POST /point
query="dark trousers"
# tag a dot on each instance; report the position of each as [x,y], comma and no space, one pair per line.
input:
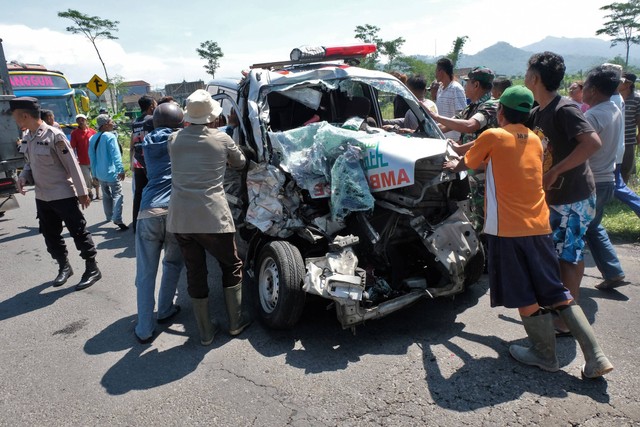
[51,215]
[628,162]
[223,247]
[140,181]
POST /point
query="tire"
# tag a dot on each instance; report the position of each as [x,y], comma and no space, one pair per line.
[280,298]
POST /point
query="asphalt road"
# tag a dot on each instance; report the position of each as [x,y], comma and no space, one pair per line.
[70,358]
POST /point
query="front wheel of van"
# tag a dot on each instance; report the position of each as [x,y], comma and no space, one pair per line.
[280,298]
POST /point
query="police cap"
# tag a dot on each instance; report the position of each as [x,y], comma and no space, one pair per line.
[24,103]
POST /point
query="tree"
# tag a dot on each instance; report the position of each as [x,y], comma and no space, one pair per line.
[391,49]
[210,52]
[623,24]
[94,28]
[414,66]
[369,34]
[456,50]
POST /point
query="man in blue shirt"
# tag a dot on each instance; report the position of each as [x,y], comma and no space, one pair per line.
[151,232]
[106,166]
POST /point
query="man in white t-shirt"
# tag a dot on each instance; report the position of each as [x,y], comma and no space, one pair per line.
[607,120]
[451,98]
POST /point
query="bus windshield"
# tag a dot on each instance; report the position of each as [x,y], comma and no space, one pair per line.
[63,108]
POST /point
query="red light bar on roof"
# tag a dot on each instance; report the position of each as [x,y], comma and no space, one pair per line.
[310,53]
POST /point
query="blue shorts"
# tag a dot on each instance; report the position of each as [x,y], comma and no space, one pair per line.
[524,271]
[568,225]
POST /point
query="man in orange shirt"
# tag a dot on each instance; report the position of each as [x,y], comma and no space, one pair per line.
[80,144]
[523,266]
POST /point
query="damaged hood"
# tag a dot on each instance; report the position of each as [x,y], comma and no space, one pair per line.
[388,159]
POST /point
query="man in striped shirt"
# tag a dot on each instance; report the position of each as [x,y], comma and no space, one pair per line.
[631,123]
[450,99]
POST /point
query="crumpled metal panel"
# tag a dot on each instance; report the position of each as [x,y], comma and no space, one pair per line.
[454,242]
[334,275]
[271,208]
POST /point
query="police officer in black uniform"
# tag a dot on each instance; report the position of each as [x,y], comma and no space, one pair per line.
[59,188]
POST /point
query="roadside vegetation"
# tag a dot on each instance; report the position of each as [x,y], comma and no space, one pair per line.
[619,220]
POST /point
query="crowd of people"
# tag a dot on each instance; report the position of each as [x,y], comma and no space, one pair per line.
[543,167]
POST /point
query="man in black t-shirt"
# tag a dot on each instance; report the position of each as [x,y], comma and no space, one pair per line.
[569,141]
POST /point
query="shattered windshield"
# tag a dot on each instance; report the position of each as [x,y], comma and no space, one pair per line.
[336,100]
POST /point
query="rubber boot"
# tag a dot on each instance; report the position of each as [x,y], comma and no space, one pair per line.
[90,276]
[233,298]
[206,326]
[597,363]
[64,272]
[543,351]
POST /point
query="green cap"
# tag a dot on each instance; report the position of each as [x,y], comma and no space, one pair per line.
[481,74]
[517,98]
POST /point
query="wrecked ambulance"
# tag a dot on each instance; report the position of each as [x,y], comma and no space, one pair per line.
[333,205]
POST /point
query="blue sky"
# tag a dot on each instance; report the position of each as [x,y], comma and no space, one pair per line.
[157,40]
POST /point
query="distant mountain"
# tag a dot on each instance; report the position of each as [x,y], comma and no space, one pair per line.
[580,54]
[502,58]
[578,46]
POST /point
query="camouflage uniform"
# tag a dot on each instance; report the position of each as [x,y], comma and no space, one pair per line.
[488,107]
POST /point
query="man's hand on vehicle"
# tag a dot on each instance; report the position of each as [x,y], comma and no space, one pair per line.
[457,148]
[450,164]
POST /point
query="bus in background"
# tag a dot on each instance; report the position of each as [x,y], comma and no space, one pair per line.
[10,157]
[52,90]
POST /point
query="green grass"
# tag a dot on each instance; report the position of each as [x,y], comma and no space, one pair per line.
[124,137]
[126,160]
[621,223]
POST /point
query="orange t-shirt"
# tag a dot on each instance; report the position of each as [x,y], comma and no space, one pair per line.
[514,201]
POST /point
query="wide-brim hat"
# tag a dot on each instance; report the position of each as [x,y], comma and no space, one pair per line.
[201,108]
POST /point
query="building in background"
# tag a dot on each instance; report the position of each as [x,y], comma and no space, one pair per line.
[181,91]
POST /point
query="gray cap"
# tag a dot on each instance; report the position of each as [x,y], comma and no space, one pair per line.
[102,120]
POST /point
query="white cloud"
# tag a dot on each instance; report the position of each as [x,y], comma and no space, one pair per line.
[75,56]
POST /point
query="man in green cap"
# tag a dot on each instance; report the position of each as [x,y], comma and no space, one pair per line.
[479,115]
[523,266]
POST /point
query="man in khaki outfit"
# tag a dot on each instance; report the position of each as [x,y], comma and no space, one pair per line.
[199,214]
[53,169]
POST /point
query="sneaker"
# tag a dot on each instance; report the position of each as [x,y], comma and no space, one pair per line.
[169,318]
[611,283]
[145,340]
[122,226]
